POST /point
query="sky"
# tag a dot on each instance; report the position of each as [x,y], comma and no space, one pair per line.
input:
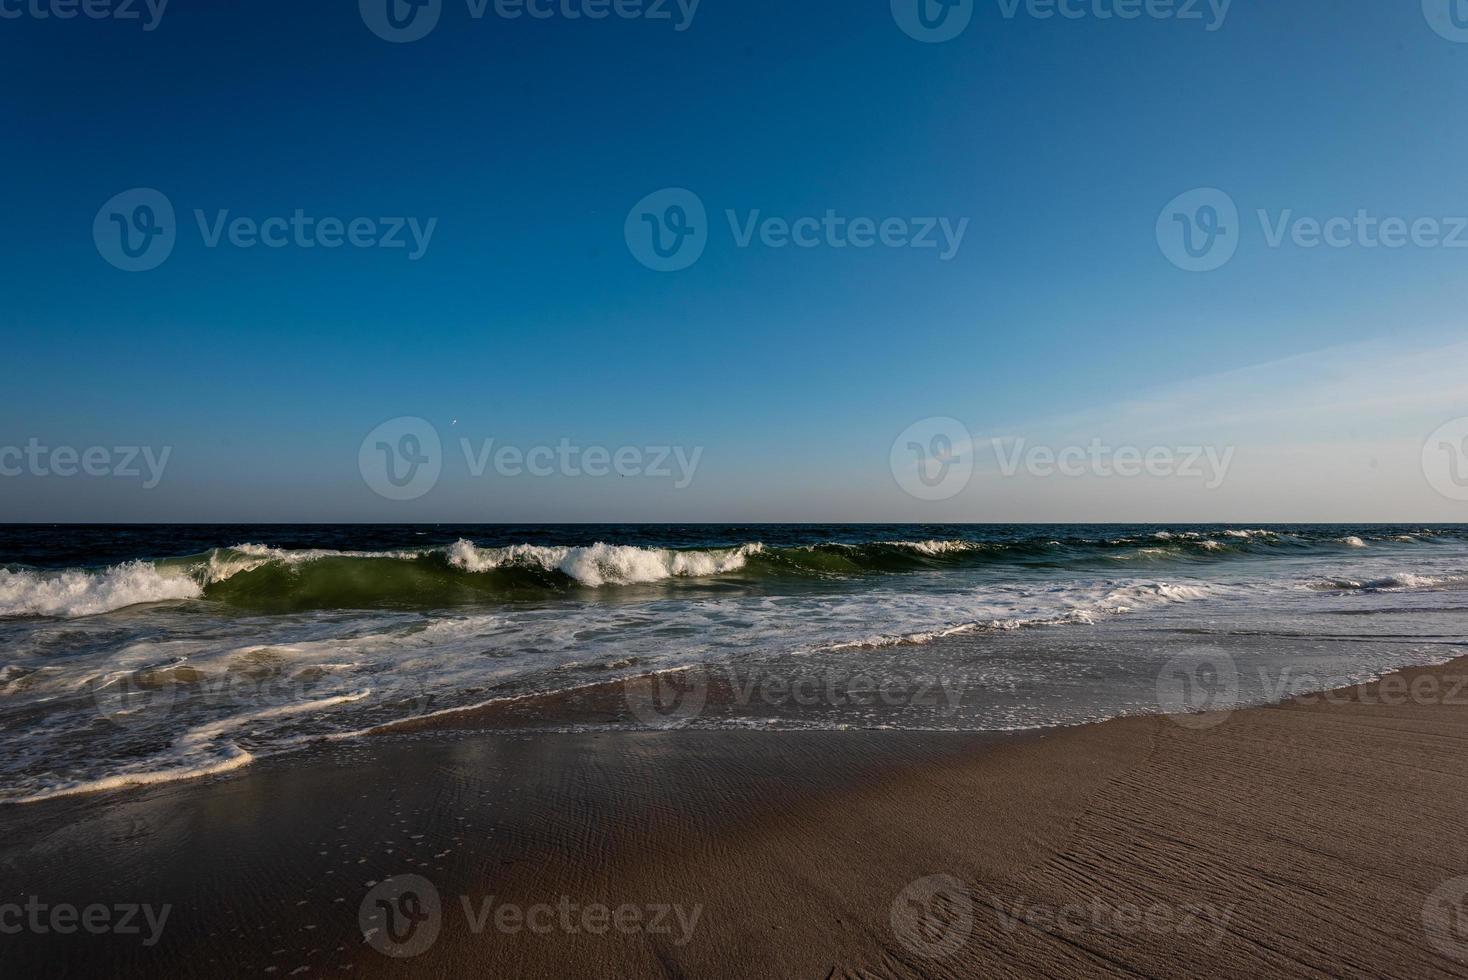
[733,261]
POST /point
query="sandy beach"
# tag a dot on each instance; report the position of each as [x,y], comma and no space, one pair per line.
[620,489]
[1318,837]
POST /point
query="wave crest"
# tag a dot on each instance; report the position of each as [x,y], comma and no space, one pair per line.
[603,564]
[80,592]
[273,579]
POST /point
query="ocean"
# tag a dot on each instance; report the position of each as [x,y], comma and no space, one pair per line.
[134,654]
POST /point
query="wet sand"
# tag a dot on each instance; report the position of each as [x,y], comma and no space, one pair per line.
[1300,839]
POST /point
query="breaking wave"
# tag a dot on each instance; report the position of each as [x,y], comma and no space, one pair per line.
[270,579]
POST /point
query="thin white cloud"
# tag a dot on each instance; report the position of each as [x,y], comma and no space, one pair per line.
[1320,396]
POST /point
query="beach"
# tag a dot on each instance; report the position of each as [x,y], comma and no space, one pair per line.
[1321,836]
[712,751]
[560,489]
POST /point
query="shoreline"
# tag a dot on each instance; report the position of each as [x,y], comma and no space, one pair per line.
[666,700]
[1268,839]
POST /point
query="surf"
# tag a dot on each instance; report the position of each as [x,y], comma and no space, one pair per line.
[272,579]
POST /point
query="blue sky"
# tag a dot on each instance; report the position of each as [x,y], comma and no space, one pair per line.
[529,320]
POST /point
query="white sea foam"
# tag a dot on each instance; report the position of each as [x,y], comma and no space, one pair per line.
[302,555]
[603,564]
[1406,580]
[1397,582]
[200,751]
[234,759]
[224,563]
[80,592]
[1082,605]
[935,547]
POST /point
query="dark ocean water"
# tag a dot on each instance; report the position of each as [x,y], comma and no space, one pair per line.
[93,545]
[136,653]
